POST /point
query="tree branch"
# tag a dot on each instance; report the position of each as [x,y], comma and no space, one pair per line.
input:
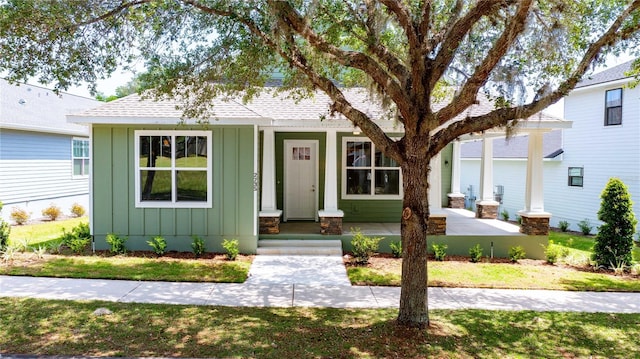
[121,7]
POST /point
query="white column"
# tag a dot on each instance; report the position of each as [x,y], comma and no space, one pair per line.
[534,196]
[435,182]
[486,172]
[331,178]
[268,204]
[455,169]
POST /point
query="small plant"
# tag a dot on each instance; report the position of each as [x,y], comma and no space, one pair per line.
[516,253]
[19,215]
[232,248]
[117,243]
[159,245]
[563,225]
[363,246]
[585,226]
[21,245]
[198,246]
[396,249]
[439,251]
[77,210]
[519,220]
[505,215]
[52,212]
[553,252]
[78,245]
[40,251]
[8,254]
[5,230]
[475,253]
[55,247]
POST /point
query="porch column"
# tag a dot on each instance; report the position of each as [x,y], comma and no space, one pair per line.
[269,212]
[456,198]
[535,221]
[437,224]
[331,216]
[486,206]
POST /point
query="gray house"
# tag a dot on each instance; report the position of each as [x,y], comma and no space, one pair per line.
[43,159]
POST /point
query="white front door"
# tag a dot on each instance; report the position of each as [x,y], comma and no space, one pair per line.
[300,179]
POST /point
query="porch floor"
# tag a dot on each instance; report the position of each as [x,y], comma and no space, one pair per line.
[460,222]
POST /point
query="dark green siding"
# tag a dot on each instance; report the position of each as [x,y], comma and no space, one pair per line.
[232,214]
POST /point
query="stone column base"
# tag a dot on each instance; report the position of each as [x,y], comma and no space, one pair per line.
[437,224]
[331,225]
[534,225]
[456,200]
[487,210]
[269,225]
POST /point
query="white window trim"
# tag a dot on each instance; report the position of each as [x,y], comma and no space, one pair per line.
[173,203]
[73,158]
[371,196]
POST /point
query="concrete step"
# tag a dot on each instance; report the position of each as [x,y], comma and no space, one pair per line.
[300,247]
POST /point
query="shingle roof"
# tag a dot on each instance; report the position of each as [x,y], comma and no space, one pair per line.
[34,108]
[608,75]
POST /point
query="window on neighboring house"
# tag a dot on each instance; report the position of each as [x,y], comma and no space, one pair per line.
[173,169]
[80,157]
[576,176]
[613,107]
[367,172]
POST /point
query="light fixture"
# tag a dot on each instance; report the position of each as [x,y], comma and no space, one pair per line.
[356,130]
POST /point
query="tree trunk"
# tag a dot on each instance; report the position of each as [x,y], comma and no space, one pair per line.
[413,295]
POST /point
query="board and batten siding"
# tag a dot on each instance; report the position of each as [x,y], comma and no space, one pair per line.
[37,168]
[232,215]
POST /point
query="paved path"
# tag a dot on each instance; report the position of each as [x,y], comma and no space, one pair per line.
[280,281]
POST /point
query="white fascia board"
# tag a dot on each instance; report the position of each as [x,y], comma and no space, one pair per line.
[544,125]
[161,120]
[57,131]
[603,84]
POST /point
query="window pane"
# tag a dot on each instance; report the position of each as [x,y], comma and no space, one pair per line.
[358,181]
[614,116]
[192,186]
[359,154]
[384,161]
[155,151]
[77,148]
[387,182]
[576,181]
[155,185]
[77,167]
[614,98]
[85,167]
[191,151]
[575,171]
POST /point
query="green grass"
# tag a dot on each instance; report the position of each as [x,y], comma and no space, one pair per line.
[42,232]
[50,327]
[582,245]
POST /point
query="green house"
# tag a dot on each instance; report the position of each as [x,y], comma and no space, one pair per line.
[240,174]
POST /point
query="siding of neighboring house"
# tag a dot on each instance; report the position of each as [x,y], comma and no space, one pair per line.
[233,212]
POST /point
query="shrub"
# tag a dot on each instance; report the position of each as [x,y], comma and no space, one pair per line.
[117,243]
[614,241]
[475,253]
[553,252]
[519,220]
[198,246]
[19,215]
[78,245]
[77,239]
[505,215]
[159,245]
[585,226]
[396,249]
[52,212]
[439,251]
[516,253]
[77,210]
[5,230]
[232,248]
[82,230]
[363,246]
[563,225]
[55,247]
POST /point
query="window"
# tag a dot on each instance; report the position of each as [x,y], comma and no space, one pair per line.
[613,107]
[367,172]
[173,169]
[80,157]
[576,176]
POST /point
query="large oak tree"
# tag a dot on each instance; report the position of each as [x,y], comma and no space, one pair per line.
[408,53]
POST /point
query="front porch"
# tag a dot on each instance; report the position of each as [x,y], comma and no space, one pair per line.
[464,230]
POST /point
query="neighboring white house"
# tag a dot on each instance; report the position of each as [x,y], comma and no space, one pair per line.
[43,159]
[604,142]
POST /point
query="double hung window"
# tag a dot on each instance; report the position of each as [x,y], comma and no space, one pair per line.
[613,107]
[367,172]
[80,157]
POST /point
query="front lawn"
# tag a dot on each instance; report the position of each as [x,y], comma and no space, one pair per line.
[40,233]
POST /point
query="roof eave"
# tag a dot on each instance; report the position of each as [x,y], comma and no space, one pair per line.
[57,131]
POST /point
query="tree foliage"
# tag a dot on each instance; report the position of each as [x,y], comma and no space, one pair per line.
[407,53]
[614,241]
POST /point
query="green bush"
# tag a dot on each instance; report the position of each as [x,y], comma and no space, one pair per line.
[232,247]
[159,245]
[19,215]
[396,249]
[117,243]
[505,215]
[516,253]
[563,225]
[439,251]
[519,220]
[52,212]
[5,230]
[554,252]
[78,245]
[55,246]
[198,246]
[614,241]
[77,210]
[77,239]
[363,246]
[475,253]
[585,226]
